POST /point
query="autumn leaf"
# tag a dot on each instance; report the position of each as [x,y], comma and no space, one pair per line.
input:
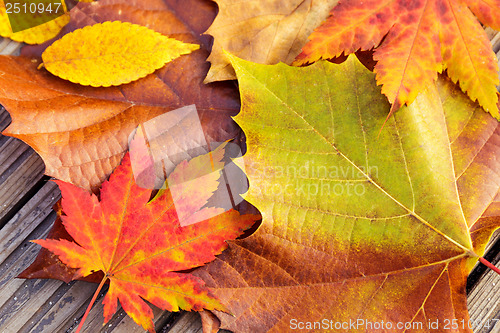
[111,54]
[81,132]
[356,225]
[266,31]
[35,35]
[413,41]
[140,245]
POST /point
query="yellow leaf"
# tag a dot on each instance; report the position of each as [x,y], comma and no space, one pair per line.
[35,35]
[111,53]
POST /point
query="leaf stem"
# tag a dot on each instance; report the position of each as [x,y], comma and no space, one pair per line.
[91,303]
[489,265]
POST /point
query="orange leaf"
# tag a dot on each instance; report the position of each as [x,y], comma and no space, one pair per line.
[414,40]
[81,132]
[140,245]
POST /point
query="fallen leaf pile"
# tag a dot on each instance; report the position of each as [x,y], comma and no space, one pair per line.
[413,40]
[365,218]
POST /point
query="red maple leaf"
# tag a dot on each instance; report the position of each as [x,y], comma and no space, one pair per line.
[414,40]
[139,244]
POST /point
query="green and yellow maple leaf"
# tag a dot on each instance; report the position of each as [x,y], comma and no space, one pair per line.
[414,40]
[356,224]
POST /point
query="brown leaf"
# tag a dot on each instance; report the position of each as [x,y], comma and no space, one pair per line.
[81,132]
[266,32]
[209,322]
[85,139]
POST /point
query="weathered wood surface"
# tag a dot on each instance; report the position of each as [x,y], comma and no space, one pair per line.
[26,199]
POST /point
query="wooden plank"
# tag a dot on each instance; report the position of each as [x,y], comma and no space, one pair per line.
[18,261]
[20,171]
[188,322]
[32,221]
[35,305]
[120,322]
[4,119]
[484,303]
[10,150]
[9,47]
[14,186]
[484,298]
[22,224]
[18,310]
[128,325]
[494,37]
[64,312]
